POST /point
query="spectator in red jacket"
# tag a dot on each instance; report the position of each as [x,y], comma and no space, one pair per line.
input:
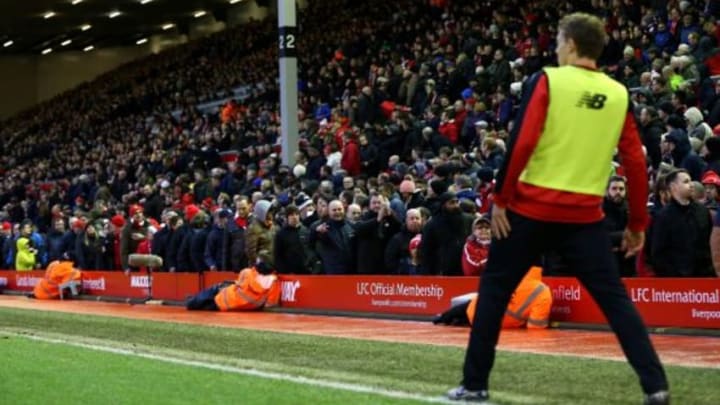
[350,154]
[476,248]
[448,128]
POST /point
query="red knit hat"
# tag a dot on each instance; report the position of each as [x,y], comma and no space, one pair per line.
[118,221]
[710,177]
[190,212]
[79,224]
[134,209]
[6,226]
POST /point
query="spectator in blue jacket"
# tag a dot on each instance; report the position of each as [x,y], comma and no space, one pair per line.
[216,246]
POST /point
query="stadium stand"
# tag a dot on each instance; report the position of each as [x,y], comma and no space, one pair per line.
[402,111]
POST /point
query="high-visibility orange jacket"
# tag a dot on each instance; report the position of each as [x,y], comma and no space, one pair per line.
[529,305]
[57,276]
[251,290]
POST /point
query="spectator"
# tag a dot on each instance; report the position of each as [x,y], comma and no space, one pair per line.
[57,241]
[681,238]
[651,130]
[261,233]
[186,256]
[161,238]
[132,234]
[677,145]
[198,241]
[616,213]
[89,249]
[373,231]
[26,253]
[334,241]
[179,229]
[216,246]
[292,251]
[5,240]
[354,213]
[477,246]
[443,238]
[397,253]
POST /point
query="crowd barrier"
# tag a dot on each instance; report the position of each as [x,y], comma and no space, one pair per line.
[677,302]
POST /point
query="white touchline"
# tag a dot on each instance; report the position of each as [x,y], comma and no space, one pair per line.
[244,371]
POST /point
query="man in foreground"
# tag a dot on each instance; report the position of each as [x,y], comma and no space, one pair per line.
[548,197]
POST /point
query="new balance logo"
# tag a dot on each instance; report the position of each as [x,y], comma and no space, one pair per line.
[594,101]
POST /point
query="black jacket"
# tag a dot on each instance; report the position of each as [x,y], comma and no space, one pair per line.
[397,253]
[442,243]
[651,135]
[235,258]
[173,249]
[616,219]
[336,247]
[160,243]
[291,250]
[372,239]
[681,241]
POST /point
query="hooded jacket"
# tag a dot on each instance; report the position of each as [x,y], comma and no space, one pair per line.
[259,236]
[683,156]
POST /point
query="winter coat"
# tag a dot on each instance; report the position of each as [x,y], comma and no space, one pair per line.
[24,259]
[397,253]
[474,256]
[336,247]
[372,239]
[291,250]
[681,241]
[442,243]
[351,158]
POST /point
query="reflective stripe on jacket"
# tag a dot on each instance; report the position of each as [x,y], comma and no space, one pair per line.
[57,274]
[250,291]
[529,306]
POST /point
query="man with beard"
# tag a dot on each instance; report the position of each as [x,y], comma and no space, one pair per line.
[616,217]
[681,234]
[444,236]
[397,253]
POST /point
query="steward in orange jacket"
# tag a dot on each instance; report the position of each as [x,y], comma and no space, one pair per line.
[529,306]
[255,288]
[59,277]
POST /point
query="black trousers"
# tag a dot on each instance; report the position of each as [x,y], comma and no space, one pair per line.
[587,249]
[205,299]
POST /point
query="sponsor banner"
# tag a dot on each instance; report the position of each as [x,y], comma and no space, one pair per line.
[689,303]
[116,284]
[676,302]
[20,280]
[379,294]
[175,286]
[209,278]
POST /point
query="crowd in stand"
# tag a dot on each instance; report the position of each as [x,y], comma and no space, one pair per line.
[406,109]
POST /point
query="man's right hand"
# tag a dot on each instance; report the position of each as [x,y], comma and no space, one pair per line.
[632,242]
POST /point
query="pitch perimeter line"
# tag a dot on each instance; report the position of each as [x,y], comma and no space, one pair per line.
[356,388]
